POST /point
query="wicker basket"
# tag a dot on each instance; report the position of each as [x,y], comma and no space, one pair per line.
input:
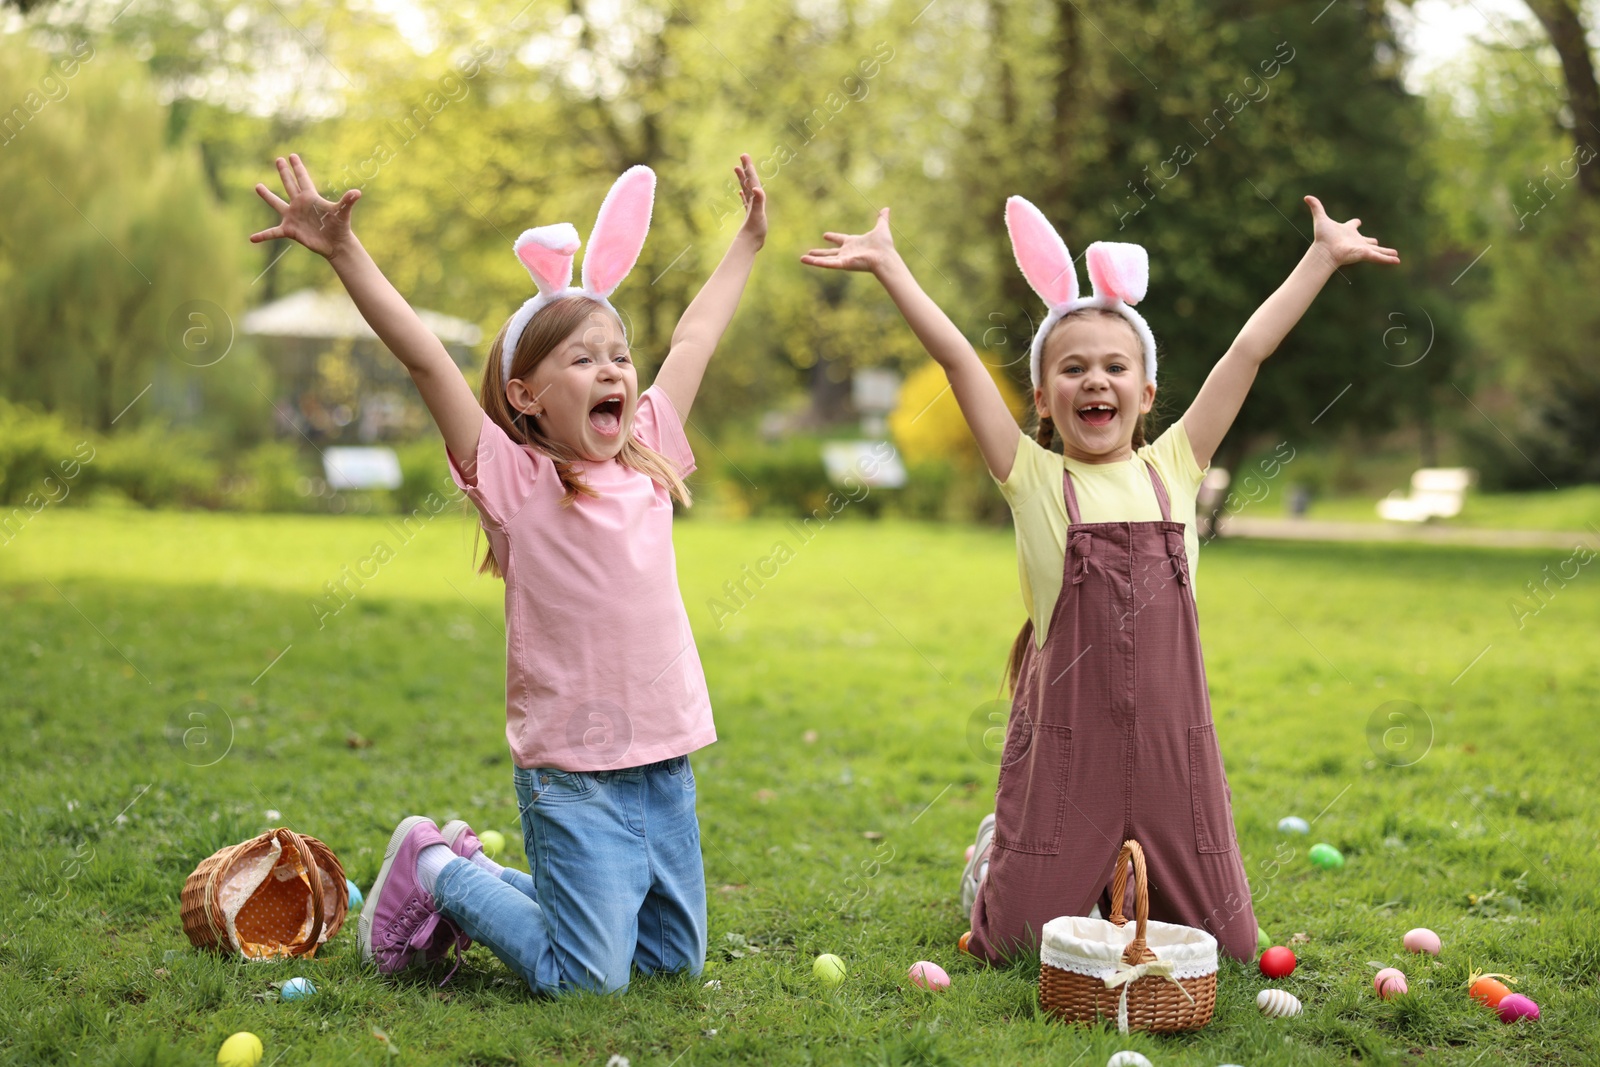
[272,896]
[1162,978]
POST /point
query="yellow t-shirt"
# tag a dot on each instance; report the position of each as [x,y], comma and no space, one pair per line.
[1107,492]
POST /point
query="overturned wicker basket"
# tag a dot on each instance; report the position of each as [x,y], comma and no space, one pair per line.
[1162,978]
[280,894]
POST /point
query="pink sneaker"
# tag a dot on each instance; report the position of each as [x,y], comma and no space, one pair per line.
[401,919]
[459,836]
[463,842]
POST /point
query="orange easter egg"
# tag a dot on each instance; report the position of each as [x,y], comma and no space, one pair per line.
[1489,992]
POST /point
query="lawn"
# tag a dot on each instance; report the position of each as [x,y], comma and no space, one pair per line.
[167,685]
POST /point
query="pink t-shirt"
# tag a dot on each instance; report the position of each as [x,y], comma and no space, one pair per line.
[601,667]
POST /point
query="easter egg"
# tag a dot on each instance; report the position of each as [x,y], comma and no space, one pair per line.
[355,894]
[1263,942]
[493,842]
[1489,992]
[1293,824]
[1326,856]
[964,944]
[829,968]
[1277,1003]
[1389,982]
[241,1050]
[296,988]
[1422,940]
[929,975]
[1127,1059]
[1515,1006]
[1277,962]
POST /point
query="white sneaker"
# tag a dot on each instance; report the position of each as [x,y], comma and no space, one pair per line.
[977,864]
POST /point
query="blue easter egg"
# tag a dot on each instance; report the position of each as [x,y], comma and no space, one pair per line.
[296,988]
[1293,824]
[355,895]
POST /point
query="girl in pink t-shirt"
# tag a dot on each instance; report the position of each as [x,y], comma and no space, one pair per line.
[573,472]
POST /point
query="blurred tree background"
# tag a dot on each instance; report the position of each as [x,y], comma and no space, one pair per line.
[131,137]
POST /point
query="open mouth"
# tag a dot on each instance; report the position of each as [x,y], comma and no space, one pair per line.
[1097,414]
[606,416]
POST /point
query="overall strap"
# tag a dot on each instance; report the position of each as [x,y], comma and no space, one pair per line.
[1073,516]
[1161,493]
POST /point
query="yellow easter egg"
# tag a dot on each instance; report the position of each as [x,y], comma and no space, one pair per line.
[241,1050]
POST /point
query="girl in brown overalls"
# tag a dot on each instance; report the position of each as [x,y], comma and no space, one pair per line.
[1110,734]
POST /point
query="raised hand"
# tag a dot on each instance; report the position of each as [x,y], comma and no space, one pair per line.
[753,197]
[321,225]
[870,251]
[1343,241]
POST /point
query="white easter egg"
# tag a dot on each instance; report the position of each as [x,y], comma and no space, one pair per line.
[1277,1003]
[1127,1059]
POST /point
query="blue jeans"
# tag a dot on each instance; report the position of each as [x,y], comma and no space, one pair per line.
[617,880]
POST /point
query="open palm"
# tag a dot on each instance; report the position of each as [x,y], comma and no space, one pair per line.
[859,251]
[321,225]
[1344,242]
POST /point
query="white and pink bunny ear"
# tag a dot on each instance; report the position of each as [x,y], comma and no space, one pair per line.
[547,252]
[1041,253]
[619,231]
[1119,271]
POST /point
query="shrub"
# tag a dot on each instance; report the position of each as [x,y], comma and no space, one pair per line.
[33,447]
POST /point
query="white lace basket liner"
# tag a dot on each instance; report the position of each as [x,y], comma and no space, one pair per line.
[1147,975]
[1094,947]
[279,894]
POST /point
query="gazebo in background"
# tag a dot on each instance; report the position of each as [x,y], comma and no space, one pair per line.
[336,383]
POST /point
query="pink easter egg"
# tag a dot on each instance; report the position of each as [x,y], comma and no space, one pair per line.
[929,975]
[1516,1006]
[1422,940]
[1389,982]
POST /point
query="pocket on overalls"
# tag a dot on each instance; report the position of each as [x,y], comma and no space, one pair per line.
[1031,803]
[1208,790]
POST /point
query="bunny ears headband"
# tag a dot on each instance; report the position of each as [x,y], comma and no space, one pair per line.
[614,245]
[1119,272]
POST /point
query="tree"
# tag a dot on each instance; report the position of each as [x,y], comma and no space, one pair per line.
[1563,21]
[110,235]
[1194,129]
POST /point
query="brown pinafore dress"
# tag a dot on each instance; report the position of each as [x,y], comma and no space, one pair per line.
[1111,737]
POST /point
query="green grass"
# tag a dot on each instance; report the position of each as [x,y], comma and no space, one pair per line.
[1574,508]
[845,693]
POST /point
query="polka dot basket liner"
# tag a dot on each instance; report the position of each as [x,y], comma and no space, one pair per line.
[280,894]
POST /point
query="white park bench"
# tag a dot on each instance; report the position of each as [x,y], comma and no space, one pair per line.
[1436,492]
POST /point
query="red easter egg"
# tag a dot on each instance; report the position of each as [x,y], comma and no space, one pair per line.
[1277,962]
[1516,1006]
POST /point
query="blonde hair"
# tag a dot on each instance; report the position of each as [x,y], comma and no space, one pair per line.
[1045,434]
[551,325]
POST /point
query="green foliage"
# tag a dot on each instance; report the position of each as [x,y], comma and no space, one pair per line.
[1513,198]
[112,233]
[844,695]
[36,451]
[1539,430]
[270,477]
[1191,127]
